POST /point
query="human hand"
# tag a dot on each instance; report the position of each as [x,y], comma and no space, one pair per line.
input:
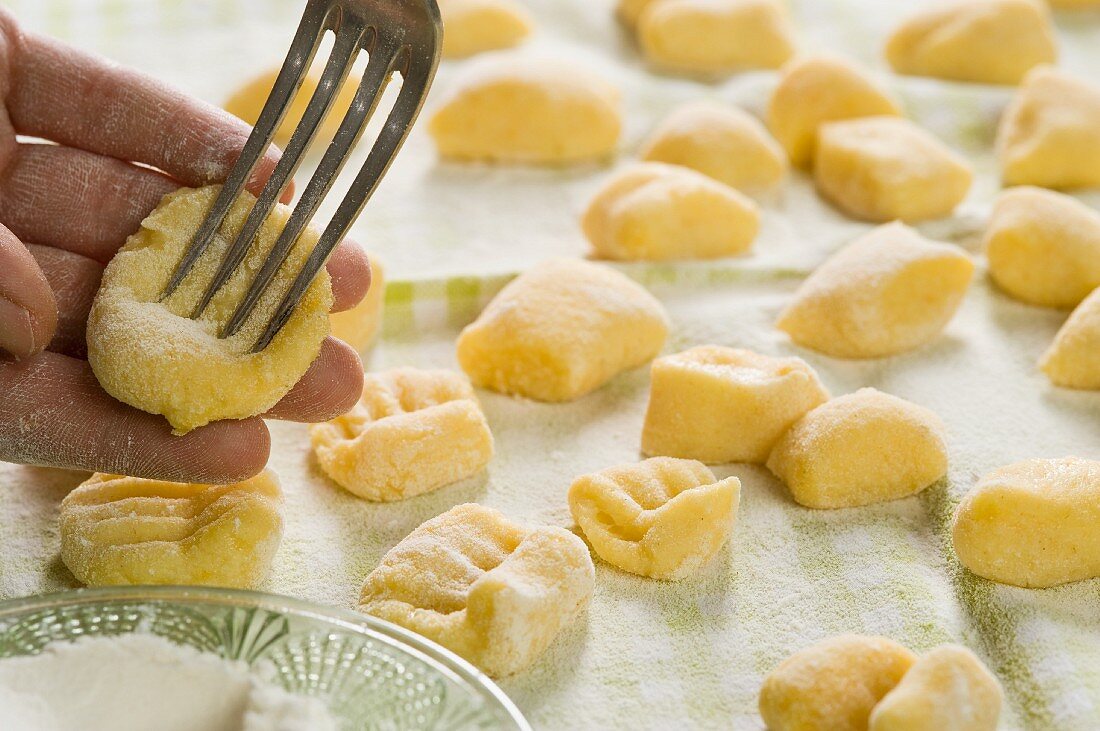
[65,209]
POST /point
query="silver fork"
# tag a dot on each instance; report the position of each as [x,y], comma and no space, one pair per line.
[400,36]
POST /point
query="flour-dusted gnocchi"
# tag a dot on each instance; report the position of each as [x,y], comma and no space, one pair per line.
[561,330]
[248,101]
[712,37]
[947,689]
[359,326]
[127,530]
[863,448]
[813,90]
[475,26]
[519,109]
[654,212]
[833,685]
[724,142]
[1073,360]
[718,404]
[1032,523]
[888,169]
[491,590]
[887,292]
[412,431]
[986,41]
[663,518]
[1050,134]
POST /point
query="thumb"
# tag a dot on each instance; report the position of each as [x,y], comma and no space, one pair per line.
[28,311]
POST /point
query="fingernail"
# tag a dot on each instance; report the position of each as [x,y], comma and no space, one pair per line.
[16,329]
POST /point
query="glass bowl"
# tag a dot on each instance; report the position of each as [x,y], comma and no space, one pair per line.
[369,673]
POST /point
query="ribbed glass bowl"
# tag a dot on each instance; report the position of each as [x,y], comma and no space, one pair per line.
[369,673]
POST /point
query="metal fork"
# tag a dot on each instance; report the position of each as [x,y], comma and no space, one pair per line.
[400,36]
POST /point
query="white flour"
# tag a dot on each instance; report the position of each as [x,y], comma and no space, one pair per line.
[142,682]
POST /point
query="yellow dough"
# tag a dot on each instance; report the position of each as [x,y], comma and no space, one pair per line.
[149,355]
[889,291]
[1033,523]
[946,689]
[1044,247]
[628,11]
[717,404]
[126,530]
[985,41]
[724,142]
[413,431]
[655,212]
[475,26]
[832,685]
[493,591]
[663,518]
[1074,4]
[511,109]
[813,90]
[885,169]
[1073,360]
[863,448]
[359,326]
[712,37]
[562,330]
[248,101]
[1050,134]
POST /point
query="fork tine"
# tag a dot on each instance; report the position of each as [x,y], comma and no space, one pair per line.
[416,79]
[344,51]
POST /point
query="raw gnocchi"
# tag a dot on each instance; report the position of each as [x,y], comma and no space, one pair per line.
[248,101]
[413,431]
[1032,523]
[1073,359]
[885,169]
[718,404]
[985,41]
[359,326]
[561,330]
[628,11]
[654,212]
[126,530]
[863,448]
[476,26]
[724,142]
[813,90]
[511,109]
[493,591]
[887,292]
[663,518]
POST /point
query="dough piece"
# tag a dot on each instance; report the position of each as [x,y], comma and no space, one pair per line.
[889,291]
[248,101]
[1074,4]
[562,330]
[832,685]
[1050,134]
[712,37]
[985,41]
[863,448]
[655,212]
[947,689]
[1044,247]
[493,591]
[885,169]
[1073,360]
[511,109]
[629,11]
[663,518]
[126,530]
[724,142]
[813,90]
[413,431]
[148,354]
[1032,523]
[475,26]
[359,326]
[720,404]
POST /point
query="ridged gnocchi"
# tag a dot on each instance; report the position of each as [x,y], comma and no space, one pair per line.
[359,326]
[493,591]
[662,518]
[413,431]
[718,404]
[1073,359]
[475,26]
[126,530]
